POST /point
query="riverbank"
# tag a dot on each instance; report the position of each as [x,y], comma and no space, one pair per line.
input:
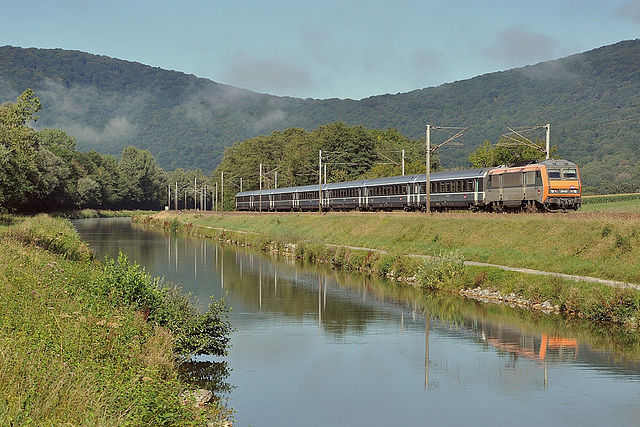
[601,245]
[75,346]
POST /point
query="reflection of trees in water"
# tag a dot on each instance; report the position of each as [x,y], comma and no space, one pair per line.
[207,375]
[347,303]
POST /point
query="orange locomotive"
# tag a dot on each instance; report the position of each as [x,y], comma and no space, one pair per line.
[549,185]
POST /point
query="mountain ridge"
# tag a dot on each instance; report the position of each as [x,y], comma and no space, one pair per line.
[591,100]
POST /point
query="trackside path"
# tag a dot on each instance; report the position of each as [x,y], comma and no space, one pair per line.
[613,283]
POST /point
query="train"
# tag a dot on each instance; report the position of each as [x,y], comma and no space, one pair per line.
[550,185]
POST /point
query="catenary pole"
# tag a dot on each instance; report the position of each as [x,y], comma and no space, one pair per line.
[548,127]
[428,186]
[320,181]
[260,205]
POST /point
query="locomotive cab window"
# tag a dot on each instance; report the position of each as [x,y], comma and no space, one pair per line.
[569,174]
[554,173]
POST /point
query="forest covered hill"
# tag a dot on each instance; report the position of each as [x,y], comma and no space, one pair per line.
[591,100]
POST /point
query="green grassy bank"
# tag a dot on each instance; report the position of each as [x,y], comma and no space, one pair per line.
[81,341]
[596,244]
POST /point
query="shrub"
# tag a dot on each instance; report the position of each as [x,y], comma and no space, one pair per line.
[480,278]
[436,272]
[195,333]
[385,264]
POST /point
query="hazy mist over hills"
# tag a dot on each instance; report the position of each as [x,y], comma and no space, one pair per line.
[591,100]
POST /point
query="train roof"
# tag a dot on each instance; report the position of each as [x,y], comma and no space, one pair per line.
[456,174]
[558,162]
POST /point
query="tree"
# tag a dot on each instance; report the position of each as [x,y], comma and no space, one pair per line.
[508,151]
[89,192]
[56,140]
[348,148]
[147,180]
[18,162]
[483,156]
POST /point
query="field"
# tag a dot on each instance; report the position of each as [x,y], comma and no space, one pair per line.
[619,203]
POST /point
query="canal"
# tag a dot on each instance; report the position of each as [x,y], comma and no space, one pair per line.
[317,347]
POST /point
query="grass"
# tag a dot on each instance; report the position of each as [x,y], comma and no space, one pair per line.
[591,244]
[627,203]
[68,354]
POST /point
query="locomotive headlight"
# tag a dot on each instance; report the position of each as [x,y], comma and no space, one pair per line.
[553,191]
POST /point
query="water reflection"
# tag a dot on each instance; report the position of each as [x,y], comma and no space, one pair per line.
[353,350]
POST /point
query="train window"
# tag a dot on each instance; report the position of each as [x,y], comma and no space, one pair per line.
[554,173]
[569,174]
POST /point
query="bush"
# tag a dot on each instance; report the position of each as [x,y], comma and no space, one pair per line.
[195,333]
[385,264]
[438,271]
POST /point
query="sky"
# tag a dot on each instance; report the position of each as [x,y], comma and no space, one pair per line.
[325,48]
